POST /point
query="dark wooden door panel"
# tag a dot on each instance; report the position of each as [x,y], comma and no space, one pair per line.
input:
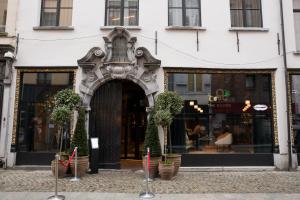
[105,123]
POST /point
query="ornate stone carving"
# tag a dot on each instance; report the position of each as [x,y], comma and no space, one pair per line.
[137,65]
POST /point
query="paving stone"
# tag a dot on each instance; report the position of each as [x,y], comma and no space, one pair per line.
[133,182]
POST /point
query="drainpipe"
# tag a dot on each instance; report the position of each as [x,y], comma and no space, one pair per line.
[286,86]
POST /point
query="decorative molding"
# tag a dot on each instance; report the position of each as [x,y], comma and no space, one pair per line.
[99,66]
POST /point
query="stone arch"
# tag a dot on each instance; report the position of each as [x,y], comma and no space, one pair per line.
[98,68]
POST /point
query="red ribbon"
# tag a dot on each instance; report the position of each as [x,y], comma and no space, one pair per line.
[70,159]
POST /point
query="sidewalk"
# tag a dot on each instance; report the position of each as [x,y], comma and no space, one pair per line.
[122,184]
[124,196]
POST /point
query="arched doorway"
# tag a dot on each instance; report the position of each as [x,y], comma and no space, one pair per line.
[118,118]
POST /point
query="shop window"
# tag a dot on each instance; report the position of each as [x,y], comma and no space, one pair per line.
[295,88]
[246,13]
[297,23]
[184,13]
[225,117]
[36,132]
[122,12]
[3,13]
[56,13]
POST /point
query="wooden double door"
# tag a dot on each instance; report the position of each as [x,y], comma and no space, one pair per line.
[118,119]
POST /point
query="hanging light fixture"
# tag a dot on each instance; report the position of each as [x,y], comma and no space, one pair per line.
[196,106]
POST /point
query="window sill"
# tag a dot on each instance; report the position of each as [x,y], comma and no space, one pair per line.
[296,52]
[249,29]
[126,27]
[3,34]
[51,28]
[198,28]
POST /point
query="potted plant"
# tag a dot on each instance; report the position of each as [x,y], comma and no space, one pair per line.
[166,168]
[65,101]
[79,140]
[168,105]
[152,141]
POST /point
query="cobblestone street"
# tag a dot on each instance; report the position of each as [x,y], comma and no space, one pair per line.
[132,182]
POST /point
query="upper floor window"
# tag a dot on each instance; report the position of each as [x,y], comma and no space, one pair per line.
[246,13]
[297,23]
[122,12]
[3,12]
[56,12]
[184,13]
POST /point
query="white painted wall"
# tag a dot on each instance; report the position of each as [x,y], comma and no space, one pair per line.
[176,48]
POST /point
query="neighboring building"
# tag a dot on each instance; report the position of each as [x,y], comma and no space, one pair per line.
[8,16]
[226,61]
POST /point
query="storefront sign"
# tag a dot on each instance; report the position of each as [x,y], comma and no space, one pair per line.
[260,107]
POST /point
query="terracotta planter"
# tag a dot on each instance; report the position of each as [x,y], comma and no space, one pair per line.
[82,165]
[166,171]
[153,171]
[176,158]
[61,170]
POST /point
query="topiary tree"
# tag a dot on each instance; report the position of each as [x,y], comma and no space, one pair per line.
[65,102]
[167,105]
[80,136]
[151,138]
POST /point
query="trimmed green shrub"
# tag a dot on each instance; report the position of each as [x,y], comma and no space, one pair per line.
[80,136]
[151,137]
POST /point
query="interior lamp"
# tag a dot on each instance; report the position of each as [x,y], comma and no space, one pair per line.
[192,103]
[196,106]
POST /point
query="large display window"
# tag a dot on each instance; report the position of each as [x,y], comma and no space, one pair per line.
[295,107]
[35,131]
[223,113]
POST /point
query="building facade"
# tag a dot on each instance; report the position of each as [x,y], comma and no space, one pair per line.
[226,61]
[8,42]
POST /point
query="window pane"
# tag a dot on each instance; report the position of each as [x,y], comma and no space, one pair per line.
[3,12]
[192,17]
[119,50]
[253,18]
[36,131]
[175,17]
[191,82]
[175,3]
[114,3]
[295,86]
[131,3]
[50,3]
[296,4]
[237,18]
[114,17]
[297,29]
[198,82]
[66,3]
[221,111]
[49,17]
[130,17]
[65,17]
[236,4]
[192,3]
[252,4]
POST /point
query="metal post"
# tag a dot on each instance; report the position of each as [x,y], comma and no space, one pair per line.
[147,194]
[56,196]
[76,178]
